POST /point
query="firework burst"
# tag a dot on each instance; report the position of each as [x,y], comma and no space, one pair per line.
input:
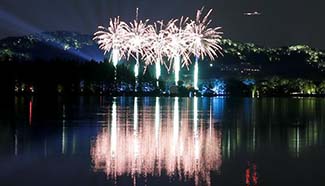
[156,49]
[137,38]
[113,39]
[204,41]
[177,41]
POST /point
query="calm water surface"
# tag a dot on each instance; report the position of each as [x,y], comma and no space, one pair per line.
[162,141]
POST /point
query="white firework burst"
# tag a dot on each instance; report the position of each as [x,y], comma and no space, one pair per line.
[137,38]
[204,41]
[177,39]
[113,39]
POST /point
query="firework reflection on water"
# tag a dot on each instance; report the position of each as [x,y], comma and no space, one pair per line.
[174,142]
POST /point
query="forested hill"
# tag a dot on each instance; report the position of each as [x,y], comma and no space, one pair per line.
[244,59]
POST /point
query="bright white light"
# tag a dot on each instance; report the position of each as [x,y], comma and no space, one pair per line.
[136,70]
[114,129]
[135,114]
[158,70]
[177,61]
[204,41]
[177,41]
[195,130]
[157,121]
[196,73]
[113,37]
[173,147]
[115,57]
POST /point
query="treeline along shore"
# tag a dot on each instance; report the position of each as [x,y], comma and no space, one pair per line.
[59,77]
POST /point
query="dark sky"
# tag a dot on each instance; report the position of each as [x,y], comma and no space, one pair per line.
[283,22]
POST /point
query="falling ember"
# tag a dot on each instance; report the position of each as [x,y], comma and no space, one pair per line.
[184,152]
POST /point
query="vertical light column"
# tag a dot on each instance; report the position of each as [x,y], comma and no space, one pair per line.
[175,143]
[196,141]
[157,120]
[114,130]
[196,73]
[177,64]
[16,142]
[136,72]
[158,71]
[64,138]
[157,128]
[135,141]
[115,57]
[30,114]
[64,132]
[195,130]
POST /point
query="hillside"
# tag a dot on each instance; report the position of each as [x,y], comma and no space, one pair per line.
[239,59]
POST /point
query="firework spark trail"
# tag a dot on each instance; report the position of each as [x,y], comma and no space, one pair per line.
[113,39]
[204,41]
[176,41]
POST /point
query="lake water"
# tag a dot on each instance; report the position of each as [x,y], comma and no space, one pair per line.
[162,141]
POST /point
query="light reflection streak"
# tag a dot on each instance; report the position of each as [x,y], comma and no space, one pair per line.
[171,145]
[157,122]
[16,142]
[30,115]
[64,132]
[64,138]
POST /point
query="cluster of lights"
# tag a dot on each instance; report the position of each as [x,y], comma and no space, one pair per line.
[176,41]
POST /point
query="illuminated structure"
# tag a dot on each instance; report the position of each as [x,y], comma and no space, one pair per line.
[177,41]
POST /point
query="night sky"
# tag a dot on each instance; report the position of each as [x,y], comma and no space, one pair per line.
[283,22]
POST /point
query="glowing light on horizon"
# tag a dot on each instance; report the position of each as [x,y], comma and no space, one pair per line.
[186,152]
